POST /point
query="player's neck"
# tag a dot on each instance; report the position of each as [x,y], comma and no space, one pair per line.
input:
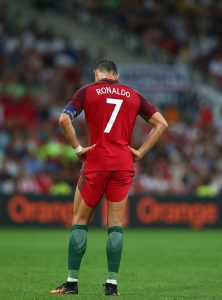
[109,76]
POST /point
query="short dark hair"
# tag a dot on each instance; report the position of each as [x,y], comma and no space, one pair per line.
[106,65]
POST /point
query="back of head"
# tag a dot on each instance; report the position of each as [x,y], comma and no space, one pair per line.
[105,65]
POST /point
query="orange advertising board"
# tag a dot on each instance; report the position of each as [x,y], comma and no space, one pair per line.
[142,211]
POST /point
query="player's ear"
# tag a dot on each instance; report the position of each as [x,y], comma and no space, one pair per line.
[116,76]
[96,74]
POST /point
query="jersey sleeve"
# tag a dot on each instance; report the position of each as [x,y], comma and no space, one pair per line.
[76,105]
[146,108]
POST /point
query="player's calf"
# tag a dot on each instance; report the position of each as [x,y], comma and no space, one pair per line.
[114,252]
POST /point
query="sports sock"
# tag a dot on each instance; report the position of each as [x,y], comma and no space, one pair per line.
[114,251]
[77,248]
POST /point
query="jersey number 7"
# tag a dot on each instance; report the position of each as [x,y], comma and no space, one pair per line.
[112,119]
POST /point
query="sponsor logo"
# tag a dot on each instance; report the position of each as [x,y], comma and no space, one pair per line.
[21,210]
[196,215]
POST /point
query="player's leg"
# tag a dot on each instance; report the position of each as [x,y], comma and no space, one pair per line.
[77,244]
[116,212]
[117,195]
[78,235]
[90,189]
[115,215]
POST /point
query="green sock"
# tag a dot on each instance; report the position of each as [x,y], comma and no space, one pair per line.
[114,250]
[77,248]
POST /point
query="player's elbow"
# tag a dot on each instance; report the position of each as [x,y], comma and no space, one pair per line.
[163,125]
[158,121]
[63,119]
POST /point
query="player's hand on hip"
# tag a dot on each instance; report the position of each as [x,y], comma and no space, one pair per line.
[82,155]
[136,154]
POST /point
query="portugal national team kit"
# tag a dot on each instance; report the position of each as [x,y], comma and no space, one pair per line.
[110,110]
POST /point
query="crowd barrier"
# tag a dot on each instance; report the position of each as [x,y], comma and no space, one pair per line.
[142,211]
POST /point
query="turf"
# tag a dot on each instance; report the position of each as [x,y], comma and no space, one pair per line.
[156,264]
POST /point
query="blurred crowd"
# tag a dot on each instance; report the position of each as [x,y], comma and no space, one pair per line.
[188,31]
[187,160]
[40,71]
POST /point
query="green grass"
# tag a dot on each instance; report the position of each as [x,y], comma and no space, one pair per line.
[156,264]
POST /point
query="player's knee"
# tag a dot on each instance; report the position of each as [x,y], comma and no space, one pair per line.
[116,222]
[116,219]
[80,220]
[115,242]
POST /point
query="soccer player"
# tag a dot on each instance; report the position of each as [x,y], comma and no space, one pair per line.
[110,110]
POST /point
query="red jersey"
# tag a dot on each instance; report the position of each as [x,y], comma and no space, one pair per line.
[110,111]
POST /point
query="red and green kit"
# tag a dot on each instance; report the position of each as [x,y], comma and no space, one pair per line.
[110,110]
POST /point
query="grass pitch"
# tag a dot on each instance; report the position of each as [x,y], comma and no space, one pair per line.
[156,264]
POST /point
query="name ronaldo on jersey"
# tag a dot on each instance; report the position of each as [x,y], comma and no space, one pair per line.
[112,90]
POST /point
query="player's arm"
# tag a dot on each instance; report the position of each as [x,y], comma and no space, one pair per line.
[68,130]
[159,126]
[70,112]
[70,134]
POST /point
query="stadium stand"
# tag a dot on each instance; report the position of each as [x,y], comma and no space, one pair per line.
[168,30]
[40,70]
